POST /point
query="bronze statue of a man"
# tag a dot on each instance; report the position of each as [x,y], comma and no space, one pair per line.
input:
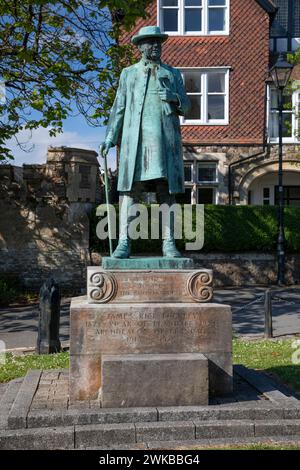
[145,117]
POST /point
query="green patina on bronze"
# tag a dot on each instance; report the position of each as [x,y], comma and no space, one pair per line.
[156,262]
[127,114]
[145,121]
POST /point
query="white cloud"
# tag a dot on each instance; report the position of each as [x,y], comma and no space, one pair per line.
[37,142]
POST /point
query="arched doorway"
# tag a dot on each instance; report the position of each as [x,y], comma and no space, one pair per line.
[264,189]
[259,186]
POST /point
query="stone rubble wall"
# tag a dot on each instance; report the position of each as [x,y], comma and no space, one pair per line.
[44,223]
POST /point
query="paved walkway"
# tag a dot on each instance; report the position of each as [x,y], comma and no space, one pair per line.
[18,325]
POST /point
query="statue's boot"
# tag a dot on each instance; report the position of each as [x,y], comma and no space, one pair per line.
[123,249]
[169,249]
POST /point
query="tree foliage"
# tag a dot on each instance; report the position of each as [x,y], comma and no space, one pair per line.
[58,57]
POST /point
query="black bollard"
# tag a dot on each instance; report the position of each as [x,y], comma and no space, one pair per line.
[268,314]
[49,316]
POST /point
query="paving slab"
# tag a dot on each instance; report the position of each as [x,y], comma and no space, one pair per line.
[21,406]
[271,390]
[46,418]
[8,398]
[165,431]
[277,428]
[210,413]
[37,439]
[104,434]
[224,429]
[221,443]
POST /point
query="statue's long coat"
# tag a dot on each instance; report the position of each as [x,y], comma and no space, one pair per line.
[125,122]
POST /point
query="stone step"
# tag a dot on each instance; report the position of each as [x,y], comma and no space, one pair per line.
[258,411]
[273,391]
[233,442]
[137,435]
[7,400]
[17,417]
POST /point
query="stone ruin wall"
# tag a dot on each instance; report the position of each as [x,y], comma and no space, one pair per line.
[44,224]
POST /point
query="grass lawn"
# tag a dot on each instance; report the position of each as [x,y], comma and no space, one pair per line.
[17,366]
[271,356]
[274,357]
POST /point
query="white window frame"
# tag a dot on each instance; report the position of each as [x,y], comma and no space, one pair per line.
[295,122]
[207,164]
[190,165]
[204,102]
[181,19]
[282,44]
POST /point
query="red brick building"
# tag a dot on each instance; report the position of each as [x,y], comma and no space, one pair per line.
[222,48]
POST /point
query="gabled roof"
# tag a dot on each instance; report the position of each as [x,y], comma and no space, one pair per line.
[267,5]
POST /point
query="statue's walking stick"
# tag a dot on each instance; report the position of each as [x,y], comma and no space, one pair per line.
[106,184]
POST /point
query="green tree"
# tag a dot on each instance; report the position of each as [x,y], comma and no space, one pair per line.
[58,57]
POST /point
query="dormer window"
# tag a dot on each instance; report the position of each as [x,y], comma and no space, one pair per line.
[194,17]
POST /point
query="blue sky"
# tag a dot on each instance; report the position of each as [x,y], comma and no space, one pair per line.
[77,133]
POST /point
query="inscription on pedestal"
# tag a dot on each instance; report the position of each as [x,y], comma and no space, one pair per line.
[144,286]
[147,328]
[164,329]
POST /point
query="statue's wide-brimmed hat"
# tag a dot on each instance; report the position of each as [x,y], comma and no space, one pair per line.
[149,32]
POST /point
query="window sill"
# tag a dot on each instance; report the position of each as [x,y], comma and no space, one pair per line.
[198,34]
[284,141]
[200,123]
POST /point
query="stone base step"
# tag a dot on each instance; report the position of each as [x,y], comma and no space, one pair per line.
[72,417]
[8,400]
[233,442]
[25,424]
[147,433]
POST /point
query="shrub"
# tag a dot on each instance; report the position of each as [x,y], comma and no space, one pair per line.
[9,290]
[227,229]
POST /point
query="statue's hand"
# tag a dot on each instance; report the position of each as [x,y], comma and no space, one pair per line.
[104,148]
[167,95]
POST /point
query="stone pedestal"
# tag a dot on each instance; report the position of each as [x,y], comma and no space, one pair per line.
[143,380]
[147,334]
[152,285]
[147,328]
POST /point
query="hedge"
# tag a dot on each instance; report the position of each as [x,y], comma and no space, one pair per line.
[227,229]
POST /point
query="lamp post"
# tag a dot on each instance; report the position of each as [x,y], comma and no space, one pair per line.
[281,73]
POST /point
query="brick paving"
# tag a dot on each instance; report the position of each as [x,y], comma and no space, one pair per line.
[36,414]
[53,394]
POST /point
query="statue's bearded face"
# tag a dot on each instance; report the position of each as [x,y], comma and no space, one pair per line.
[150,48]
